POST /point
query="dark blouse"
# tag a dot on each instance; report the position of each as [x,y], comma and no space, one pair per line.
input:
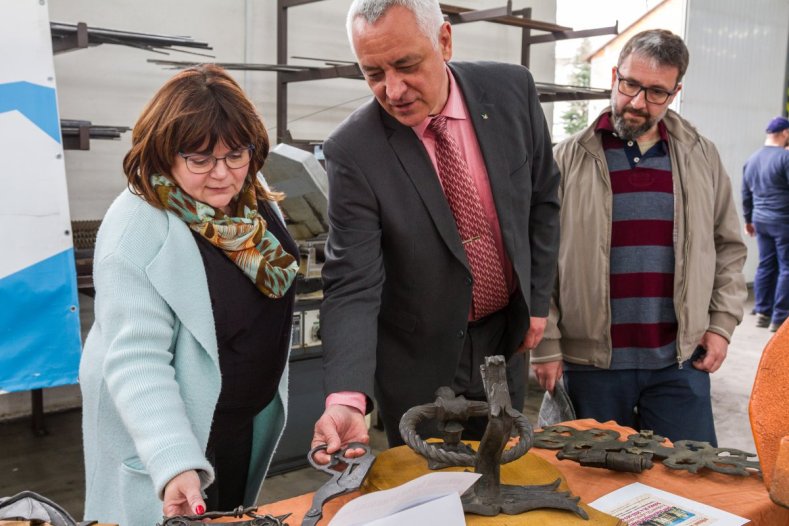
[252,330]
[252,333]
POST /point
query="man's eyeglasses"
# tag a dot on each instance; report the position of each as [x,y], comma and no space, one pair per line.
[200,164]
[631,88]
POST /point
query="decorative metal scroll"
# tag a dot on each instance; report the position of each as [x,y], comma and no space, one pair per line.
[450,412]
[254,520]
[487,496]
[603,448]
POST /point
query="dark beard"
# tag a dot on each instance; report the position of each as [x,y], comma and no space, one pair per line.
[629,132]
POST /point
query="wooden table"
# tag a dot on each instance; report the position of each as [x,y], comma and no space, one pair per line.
[743,496]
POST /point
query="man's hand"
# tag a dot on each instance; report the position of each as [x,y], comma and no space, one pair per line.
[716,347]
[182,495]
[534,334]
[338,426]
[548,374]
[749,229]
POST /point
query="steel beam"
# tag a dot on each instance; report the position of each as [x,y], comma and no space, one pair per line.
[481,14]
[282,59]
[558,93]
[70,40]
[584,33]
[66,37]
[293,3]
[525,35]
[450,10]
[349,71]
[77,134]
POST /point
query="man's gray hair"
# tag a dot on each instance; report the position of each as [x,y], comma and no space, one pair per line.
[660,45]
[427,13]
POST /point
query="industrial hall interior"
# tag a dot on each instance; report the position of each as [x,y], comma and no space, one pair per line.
[378,262]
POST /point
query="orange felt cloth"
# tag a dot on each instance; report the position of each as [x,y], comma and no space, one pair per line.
[743,496]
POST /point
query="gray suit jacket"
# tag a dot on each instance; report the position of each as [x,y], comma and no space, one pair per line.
[397,284]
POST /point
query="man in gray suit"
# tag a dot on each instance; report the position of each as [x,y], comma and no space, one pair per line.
[407,304]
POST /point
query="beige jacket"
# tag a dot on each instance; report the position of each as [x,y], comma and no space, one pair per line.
[709,287]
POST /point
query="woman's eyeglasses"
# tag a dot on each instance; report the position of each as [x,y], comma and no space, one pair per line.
[200,164]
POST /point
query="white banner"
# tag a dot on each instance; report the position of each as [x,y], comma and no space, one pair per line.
[39,314]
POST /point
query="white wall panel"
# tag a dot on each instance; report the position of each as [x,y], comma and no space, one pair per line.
[735,82]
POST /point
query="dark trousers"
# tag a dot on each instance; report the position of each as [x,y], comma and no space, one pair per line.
[672,402]
[484,337]
[771,283]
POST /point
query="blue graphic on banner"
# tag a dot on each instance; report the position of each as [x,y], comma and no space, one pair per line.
[37,103]
[39,325]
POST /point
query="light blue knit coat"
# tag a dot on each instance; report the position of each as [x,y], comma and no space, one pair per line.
[150,372]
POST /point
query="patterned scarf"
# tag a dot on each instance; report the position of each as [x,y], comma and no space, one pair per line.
[243,238]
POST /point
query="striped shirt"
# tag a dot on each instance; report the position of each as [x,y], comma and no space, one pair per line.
[643,320]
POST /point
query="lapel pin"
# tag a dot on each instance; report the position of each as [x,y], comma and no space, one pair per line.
[484,115]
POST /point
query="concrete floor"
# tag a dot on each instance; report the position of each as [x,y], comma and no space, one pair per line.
[732,383]
[52,464]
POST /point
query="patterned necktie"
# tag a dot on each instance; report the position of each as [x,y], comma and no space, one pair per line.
[489,289]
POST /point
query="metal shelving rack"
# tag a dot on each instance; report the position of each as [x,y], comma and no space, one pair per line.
[77,134]
[290,73]
[505,15]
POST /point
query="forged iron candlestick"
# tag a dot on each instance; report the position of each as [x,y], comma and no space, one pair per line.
[487,496]
[602,448]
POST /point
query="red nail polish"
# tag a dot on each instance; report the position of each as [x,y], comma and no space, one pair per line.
[199,509]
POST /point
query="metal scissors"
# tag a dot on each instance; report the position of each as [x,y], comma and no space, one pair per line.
[342,481]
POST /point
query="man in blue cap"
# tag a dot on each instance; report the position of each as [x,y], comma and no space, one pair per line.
[765,204]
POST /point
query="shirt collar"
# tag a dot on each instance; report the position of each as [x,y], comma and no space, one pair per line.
[604,124]
[453,109]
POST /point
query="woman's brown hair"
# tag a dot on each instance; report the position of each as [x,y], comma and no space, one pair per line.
[199,105]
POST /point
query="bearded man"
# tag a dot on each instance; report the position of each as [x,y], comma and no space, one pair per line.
[650,284]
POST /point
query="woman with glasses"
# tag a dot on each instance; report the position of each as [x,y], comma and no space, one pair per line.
[184,372]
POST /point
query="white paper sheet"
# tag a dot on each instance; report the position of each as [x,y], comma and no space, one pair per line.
[446,511]
[638,504]
[386,503]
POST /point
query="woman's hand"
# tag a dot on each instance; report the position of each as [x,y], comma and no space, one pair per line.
[182,495]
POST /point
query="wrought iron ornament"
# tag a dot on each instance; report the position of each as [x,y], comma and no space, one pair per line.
[487,496]
[255,519]
[450,411]
[603,448]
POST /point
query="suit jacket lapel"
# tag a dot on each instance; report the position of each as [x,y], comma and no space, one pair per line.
[417,165]
[178,274]
[485,118]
